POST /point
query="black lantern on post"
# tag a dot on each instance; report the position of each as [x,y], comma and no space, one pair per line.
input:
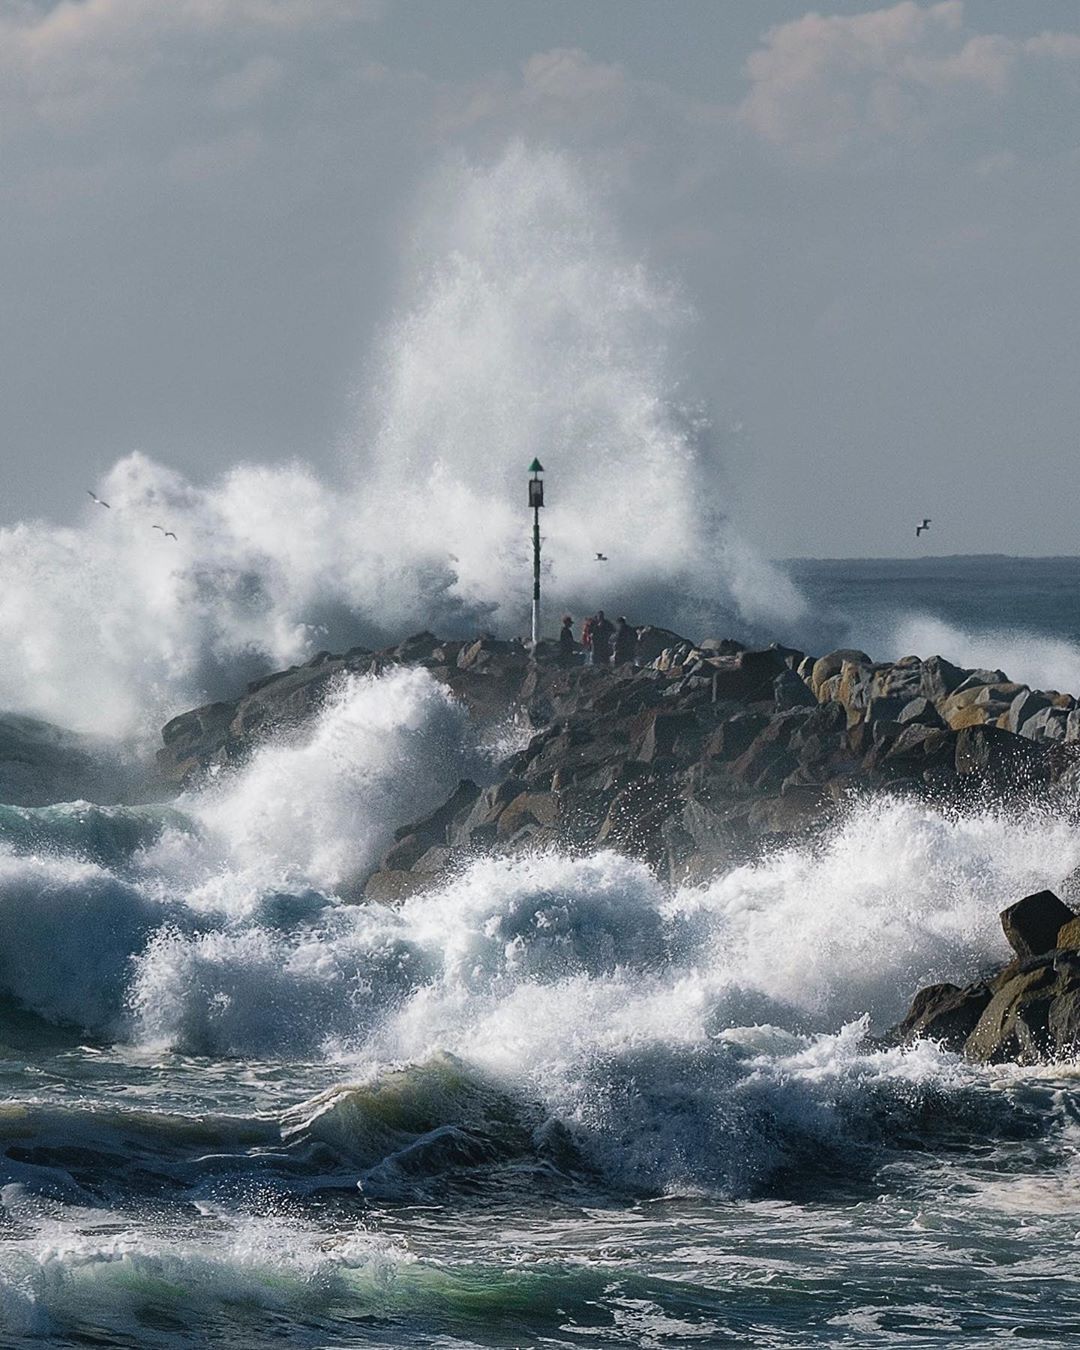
[536,501]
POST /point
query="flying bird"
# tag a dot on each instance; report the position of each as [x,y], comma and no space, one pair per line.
[98,500]
[167,533]
[600,557]
[919,528]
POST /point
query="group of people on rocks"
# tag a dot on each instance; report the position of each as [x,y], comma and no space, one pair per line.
[604,643]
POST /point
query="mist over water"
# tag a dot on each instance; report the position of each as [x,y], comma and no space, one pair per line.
[526,330]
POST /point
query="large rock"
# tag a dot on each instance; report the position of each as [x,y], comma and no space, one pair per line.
[1024,706]
[1033,1017]
[1031,925]
[938,678]
[994,757]
[828,666]
[945,1013]
[1048,724]
[789,691]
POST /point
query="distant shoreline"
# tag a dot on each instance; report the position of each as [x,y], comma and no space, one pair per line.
[939,558]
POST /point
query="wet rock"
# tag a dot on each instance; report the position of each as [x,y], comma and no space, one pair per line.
[390,888]
[789,691]
[1068,936]
[734,735]
[417,648]
[994,756]
[528,808]
[945,1013]
[1033,1017]
[1031,925]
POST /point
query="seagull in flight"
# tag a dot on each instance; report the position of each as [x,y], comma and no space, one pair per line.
[919,528]
[98,500]
[601,557]
[167,533]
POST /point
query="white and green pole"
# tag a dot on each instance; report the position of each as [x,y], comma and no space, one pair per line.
[536,501]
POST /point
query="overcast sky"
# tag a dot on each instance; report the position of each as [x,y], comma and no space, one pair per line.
[873,210]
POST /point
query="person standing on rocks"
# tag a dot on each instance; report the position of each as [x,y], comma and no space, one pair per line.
[567,645]
[601,632]
[625,643]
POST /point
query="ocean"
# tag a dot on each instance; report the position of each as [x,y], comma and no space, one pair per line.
[552,1102]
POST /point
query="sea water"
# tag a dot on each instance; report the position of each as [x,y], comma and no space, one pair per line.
[550,1101]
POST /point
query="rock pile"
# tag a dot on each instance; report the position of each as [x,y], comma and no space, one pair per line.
[1027,1012]
[690,761]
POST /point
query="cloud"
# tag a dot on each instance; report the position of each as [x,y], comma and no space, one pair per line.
[821,85]
[65,65]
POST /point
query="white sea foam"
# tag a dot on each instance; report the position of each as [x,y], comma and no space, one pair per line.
[318,807]
[115,1274]
[1029,657]
[657,1027]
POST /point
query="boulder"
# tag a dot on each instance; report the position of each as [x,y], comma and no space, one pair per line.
[734,735]
[390,888]
[939,678]
[901,680]
[664,730]
[853,689]
[721,646]
[920,710]
[998,759]
[652,641]
[417,648]
[975,679]
[945,1013]
[789,691]
[1068,936]
[826,667]
[917,747]
[975,705]
[528,808]
[1024,706]
[1048,724]
[1033,1017]
[1031,925]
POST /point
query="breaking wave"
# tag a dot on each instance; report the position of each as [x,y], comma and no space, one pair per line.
[570,1012]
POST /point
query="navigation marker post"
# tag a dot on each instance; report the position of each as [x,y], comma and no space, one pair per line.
[536,501]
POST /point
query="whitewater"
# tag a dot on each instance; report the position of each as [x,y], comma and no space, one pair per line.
[551,1100]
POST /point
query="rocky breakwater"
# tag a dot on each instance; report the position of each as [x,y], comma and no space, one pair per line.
[692,761]
[1026,1012]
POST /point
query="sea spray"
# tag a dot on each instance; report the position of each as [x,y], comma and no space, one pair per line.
[527,329]
[320,805]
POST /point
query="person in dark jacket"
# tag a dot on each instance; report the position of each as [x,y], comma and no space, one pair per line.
[602,633]
[625,644]
[567,646]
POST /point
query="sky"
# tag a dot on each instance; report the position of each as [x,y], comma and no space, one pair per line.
[871,212]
